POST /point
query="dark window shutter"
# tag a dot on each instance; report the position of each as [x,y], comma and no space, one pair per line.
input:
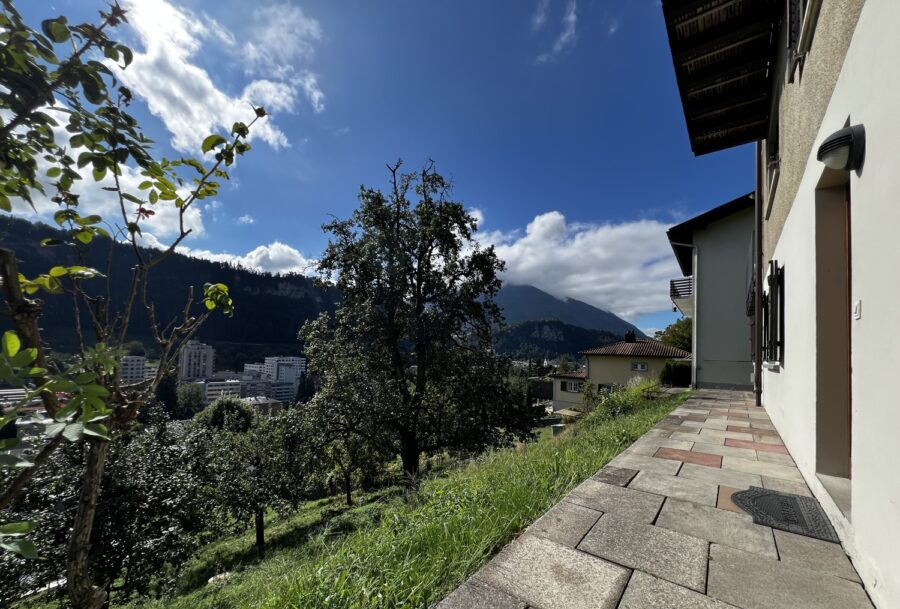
[795,22]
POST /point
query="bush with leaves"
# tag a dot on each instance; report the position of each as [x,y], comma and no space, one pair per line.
[65,119]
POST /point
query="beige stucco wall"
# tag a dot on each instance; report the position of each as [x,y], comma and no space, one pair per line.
[803,105]
[868,92]
[616,370]
[564,399]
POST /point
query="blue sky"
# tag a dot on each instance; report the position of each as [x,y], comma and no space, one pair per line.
[559,122]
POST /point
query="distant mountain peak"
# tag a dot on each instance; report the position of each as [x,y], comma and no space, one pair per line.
[521,303]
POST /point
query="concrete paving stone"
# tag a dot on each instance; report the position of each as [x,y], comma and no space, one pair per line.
[690,434]
[684,410]
[648,464]
[679,429]
[607,498]
[697,491]
[773,470]
[775,458]
[725,502]
[814,555]
[756,446]
[719,526]
[724,435]
[689,456]
[759,424]
[738,415]
[695,424]
[786,486]
[732,426]
[720,476]
[751,581]
[660,433]
[477,595]
[565,523]
[721,424]
[548,575]
[725,451]
[618,476]
[677,558]
[648,446]
[647,592]
[759,416]
[767,439]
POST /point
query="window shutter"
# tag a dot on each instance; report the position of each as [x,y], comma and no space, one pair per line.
[795,22]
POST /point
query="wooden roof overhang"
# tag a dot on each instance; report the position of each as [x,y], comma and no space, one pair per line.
[723,51]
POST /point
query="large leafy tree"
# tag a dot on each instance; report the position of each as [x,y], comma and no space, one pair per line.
[65,120]
[409,350]
[677,334]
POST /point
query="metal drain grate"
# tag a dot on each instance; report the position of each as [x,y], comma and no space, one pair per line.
[792,513]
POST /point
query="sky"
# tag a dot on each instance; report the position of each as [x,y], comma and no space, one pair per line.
[558,121]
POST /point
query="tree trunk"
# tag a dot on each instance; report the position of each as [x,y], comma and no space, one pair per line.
[260,531]
[83,593]
[348,489]
[409,455]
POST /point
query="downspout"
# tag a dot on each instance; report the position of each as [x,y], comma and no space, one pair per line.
[757,270]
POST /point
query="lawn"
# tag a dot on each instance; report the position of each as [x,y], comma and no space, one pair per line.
[396,553]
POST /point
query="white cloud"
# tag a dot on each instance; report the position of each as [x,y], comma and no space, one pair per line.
[183,95]
[568,35]
[539,17]
[623,268]
[614,25]
[276,257]
[246,219]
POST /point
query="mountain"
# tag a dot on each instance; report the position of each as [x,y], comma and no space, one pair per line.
[269,309]
[523,303]
[548,339]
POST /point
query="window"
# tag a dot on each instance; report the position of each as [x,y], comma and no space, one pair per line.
[773,315]
[571,386]
[639,367]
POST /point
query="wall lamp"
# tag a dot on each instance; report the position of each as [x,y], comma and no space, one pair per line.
[844,150]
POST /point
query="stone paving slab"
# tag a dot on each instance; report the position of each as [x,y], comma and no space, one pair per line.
[619,476]
[477,595]
[814,555]
[548,575]
[647,592]
[786,486]
[677,558]
[646,464]
[565,523]
[750,581]
[697,491]
[689,457]
[642,507]
[719,526]
[772,470]
[725,451]
[720,476]
[775,458]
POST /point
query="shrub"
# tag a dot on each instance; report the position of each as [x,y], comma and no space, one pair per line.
[676,374]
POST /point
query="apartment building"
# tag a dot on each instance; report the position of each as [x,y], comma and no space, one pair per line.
[196,361]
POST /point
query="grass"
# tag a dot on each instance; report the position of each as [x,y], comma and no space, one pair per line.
[410,553]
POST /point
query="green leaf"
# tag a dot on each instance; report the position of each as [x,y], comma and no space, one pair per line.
[55,29]
[7,460]
[73,432]
[54,429]
[10,444]
[99,173]
[11,343]
[59,271]
[97,430]
[212,141]
[54,172]
[5,205]
[16,528]
[22,547]
[85,236]
[50,242]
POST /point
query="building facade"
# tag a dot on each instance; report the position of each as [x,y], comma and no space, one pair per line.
[196,361]
[132,369]
[821,107]
[714,252]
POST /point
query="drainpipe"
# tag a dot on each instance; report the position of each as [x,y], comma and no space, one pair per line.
[757,270]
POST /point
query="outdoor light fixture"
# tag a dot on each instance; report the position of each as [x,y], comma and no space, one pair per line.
[844,150]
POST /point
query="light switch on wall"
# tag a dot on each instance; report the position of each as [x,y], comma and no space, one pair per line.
[857,309]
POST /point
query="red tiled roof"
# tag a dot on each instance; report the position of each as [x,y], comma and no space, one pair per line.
[640,348]
[581,374]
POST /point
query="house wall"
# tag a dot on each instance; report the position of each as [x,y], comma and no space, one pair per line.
[616,370]
[565,399]
[868,92]
[722,354]
[803,105]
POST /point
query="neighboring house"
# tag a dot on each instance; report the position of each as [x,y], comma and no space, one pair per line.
[792,76]
[714,253]
[614,365]
[630,359]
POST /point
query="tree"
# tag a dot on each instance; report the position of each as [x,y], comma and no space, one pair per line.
[85,402]
[677,334]
[189,400]
[412,337]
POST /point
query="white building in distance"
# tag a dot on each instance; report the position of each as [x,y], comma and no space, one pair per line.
[196,361]
[132,369]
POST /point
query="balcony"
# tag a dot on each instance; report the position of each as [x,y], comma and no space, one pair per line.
[681,291]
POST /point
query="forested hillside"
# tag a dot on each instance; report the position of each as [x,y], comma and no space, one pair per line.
[540,339]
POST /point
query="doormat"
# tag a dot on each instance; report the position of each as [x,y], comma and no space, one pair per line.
[787,512]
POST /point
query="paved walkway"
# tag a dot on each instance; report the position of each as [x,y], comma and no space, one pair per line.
[656,529]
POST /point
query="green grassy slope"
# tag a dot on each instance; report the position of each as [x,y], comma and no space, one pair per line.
[410,554]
